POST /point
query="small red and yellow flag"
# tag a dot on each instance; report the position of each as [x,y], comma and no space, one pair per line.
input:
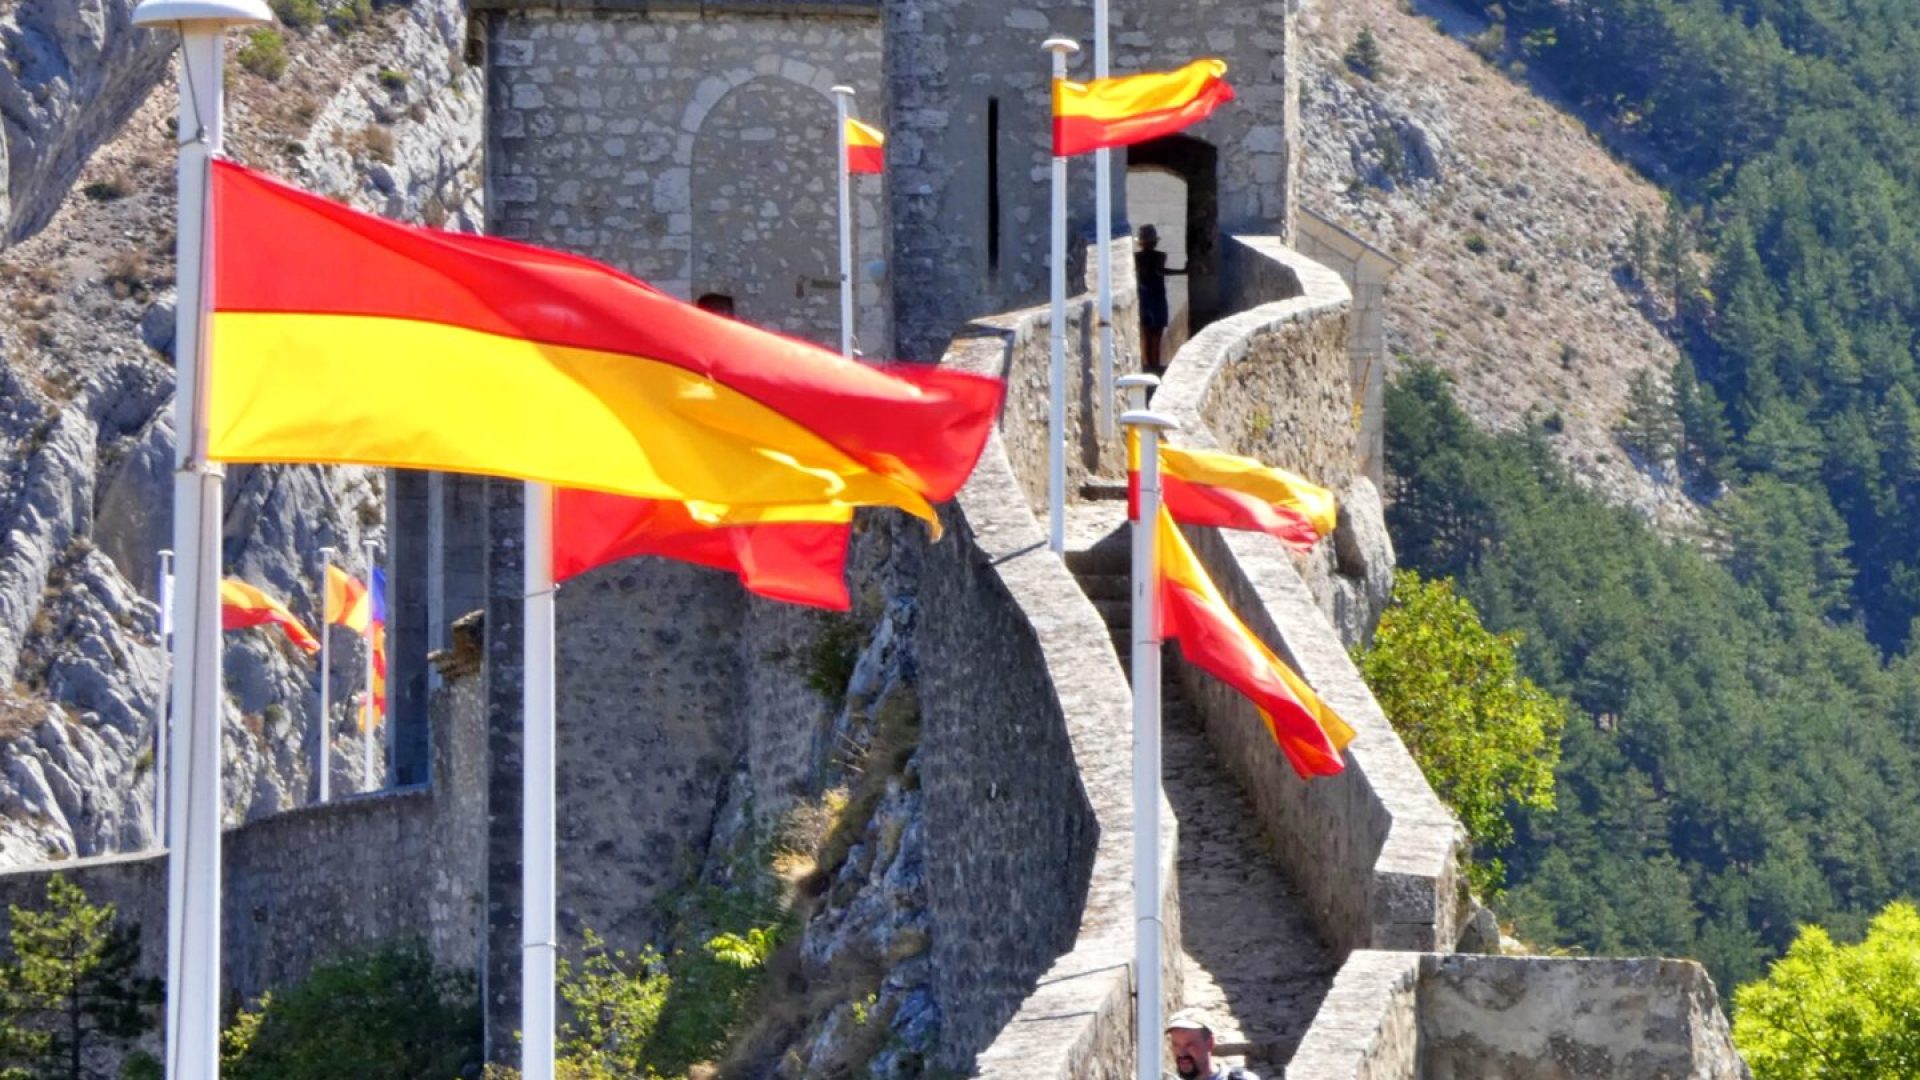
[242,606]
[796,554]
[1213,639]
[1206,487]
[346,602]
[1127,109]
[341,338]
[866,148]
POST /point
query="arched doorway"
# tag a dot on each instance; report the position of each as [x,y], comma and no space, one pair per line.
[764,213]
[1178,176]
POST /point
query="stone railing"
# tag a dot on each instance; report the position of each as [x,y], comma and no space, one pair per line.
[1373,849]
[1399,1016]
[1044,647]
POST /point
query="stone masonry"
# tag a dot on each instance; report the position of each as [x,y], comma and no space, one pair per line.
[691,145]
[969,90]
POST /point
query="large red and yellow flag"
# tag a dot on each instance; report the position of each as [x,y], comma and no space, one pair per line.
[242,606]
[866,148]
[797,554]
[1206,487]
[1213,639]
[1127,109]
[346,602]
[338,337]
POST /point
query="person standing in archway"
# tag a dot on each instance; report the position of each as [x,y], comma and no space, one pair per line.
[1150,271]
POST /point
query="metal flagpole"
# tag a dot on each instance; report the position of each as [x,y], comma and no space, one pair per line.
[323,751]
[1061,48]
[842,98]
[194,803]
[160,734]
[1103,232]
[1148,928]
[539,932]
[371,714]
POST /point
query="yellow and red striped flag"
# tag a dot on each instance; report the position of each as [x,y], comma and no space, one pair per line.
[341,338]
[1127,109]
[1206,487]
[866,148]
[796,554]
[242,605]
[1213,639]
[346,602]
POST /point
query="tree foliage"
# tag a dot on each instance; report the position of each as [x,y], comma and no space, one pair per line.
[1484,734]
[1744,765]
[384,1013]
[1789,127]
[1827,1011]
[70,988]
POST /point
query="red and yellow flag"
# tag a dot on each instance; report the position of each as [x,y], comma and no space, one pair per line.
[346,602]
[242,606]
[1128,109]
[339,337]
[1205,487]
[1213,639]
[796,554]
[866,148]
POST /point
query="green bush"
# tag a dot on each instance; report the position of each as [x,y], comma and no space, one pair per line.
[384,1013]
[1363,56]
[299,14]
[1485,735]
[264,54]
[1827,1010]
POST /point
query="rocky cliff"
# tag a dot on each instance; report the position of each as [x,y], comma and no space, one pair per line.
[1511,222]
[380,110]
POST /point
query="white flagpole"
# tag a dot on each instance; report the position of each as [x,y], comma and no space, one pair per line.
[193,864]
[539,933]
[160,703]
[323,750]
[1061,48]
[372,715]
[842,98]
[1103,232]
[1148,929]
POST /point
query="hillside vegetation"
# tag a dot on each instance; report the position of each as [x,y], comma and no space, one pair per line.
[1789,124]
[1743,764]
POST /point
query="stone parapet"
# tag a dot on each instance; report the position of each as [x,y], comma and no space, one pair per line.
[1402,1016]
[1374,850]
[1045,643]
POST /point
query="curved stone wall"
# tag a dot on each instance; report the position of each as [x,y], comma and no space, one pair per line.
[1373,848]
[1072,1018]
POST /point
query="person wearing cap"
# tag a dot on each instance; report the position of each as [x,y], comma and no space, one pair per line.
[1190,1036]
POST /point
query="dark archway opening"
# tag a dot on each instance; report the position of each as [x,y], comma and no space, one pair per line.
[1196,163]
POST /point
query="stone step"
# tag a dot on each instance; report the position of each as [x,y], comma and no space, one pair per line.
[1104,489]
[1106,586]
[1118,614]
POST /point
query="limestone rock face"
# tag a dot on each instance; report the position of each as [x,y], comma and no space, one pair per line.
[86,382]
[1352,576]
[75,71]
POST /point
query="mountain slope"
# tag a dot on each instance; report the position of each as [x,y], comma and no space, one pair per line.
[1510,222]
[382,112]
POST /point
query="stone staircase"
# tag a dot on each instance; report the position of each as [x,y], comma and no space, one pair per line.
[1251,954]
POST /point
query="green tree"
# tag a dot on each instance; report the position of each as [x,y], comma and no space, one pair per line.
[71,987]
[616,999]
[384,1013]
[1485,735]
[1650,427]
[1363,56]
[1827,1011]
